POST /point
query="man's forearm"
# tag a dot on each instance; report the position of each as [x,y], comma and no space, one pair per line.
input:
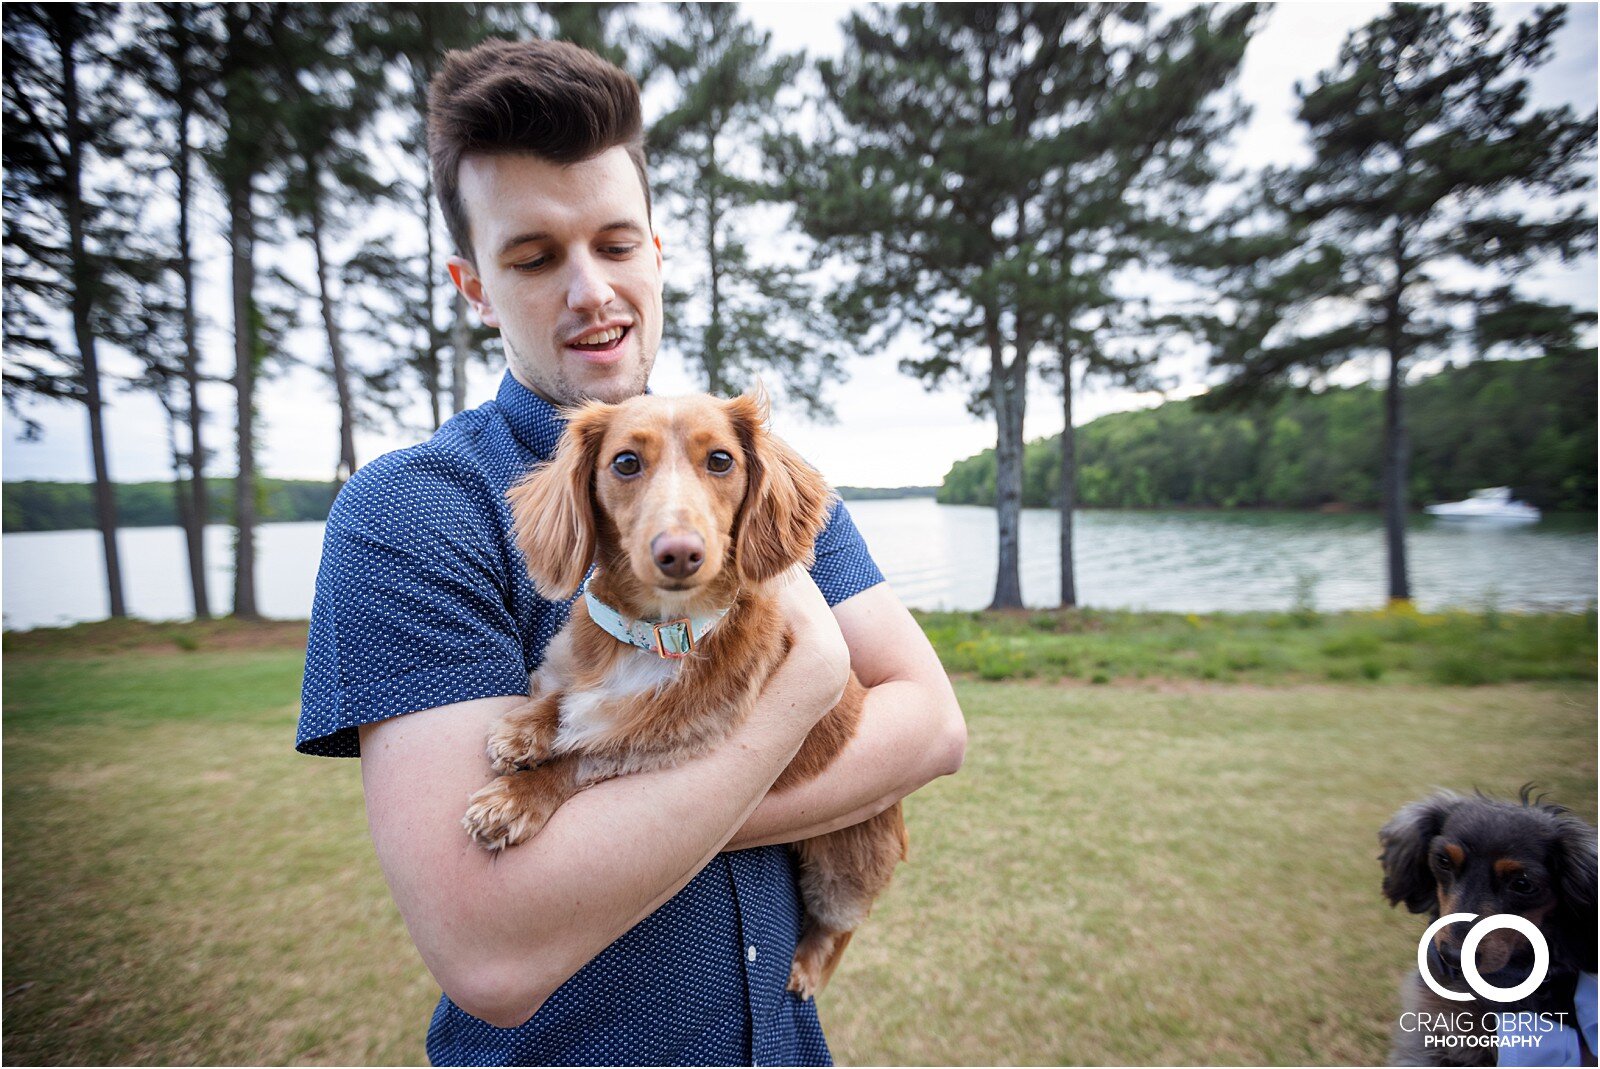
[909,735]
[502,932]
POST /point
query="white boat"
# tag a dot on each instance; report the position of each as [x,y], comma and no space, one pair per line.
[1490,505]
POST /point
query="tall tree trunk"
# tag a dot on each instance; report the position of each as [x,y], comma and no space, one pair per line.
[182,502]
[431,333]
[460,350]
[241,233]
[1396,462]
[1396,448]
[1069,487]
[711,345]
[1010,402]
[330,324]
[83,296]
[435,401]
[196,511]
[1009,406]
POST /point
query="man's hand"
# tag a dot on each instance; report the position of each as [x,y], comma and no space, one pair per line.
[911,729]
[819,650]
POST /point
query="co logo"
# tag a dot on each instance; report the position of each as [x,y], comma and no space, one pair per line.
[1469,957]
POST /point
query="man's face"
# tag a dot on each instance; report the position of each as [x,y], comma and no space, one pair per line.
[565,259]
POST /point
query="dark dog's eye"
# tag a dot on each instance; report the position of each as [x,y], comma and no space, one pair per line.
[1521,885]
[1441,862]
[720,461]
[626,465]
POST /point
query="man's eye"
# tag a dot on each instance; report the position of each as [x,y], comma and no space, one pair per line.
[531,265]
[626,465]
[719,461]
[619,250]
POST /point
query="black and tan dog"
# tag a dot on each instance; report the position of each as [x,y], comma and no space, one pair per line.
[1454,853]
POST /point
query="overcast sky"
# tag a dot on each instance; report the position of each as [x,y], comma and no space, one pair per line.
[890,432]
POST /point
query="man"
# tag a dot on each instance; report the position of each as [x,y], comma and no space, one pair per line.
[653,919]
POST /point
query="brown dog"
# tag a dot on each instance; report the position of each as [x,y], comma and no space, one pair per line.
[688,508]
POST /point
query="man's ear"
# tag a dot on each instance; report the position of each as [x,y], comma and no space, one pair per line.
[785,500]
[552,508]
[465,275]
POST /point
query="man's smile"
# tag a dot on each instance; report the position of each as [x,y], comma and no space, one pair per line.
[601,345]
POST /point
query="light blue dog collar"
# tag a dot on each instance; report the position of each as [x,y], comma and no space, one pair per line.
[672,639]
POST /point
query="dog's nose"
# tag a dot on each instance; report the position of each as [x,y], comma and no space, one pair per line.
[678,555]
[1450,953]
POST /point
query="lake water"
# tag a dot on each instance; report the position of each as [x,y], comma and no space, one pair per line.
[942,556]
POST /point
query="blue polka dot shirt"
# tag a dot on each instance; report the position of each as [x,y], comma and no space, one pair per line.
[422,600]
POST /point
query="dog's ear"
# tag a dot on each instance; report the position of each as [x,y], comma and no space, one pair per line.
[785,499]
[553,506]
[1407,876]
[1575,883]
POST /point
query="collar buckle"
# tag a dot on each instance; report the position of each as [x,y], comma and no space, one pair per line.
[674,638]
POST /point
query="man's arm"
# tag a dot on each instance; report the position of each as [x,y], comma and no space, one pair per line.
[500,934]
[911,729]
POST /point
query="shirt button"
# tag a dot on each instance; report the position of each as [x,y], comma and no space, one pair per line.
[750,953]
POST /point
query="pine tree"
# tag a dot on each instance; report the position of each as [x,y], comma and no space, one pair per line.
[63,232]
[251,139]
[417,315]
[589,25]
[154,326]
[1426,158]
[328,90]
[971,171]
[741,314]
[1128,167]
[172,53]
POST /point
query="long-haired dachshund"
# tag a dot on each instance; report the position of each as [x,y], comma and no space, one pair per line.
[1454,853]
[688,508]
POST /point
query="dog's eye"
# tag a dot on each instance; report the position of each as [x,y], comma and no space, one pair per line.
[720,461]
[1441,862]
[1521,885]
[626,465]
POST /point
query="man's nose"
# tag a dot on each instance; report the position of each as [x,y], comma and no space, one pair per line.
[587,288]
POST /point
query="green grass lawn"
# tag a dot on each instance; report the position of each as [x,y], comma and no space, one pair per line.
[1398,645]
[1157,870]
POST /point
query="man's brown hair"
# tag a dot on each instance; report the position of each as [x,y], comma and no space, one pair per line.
[549,99]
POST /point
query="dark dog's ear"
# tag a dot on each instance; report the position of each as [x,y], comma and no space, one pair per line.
[785,499]
[1575,883]
[552,507]
[1407,876]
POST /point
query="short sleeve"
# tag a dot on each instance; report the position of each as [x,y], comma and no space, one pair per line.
[410,610]
[843,567]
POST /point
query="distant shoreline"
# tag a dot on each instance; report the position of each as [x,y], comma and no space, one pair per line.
[898,493]
[884,493]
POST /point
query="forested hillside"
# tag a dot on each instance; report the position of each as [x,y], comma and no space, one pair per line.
[1528,424]
[40,506]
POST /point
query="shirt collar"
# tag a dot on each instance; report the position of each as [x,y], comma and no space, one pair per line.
[536,422]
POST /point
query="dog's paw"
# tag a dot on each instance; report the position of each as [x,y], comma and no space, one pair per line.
[805,977]
[511,749]
[502,815]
